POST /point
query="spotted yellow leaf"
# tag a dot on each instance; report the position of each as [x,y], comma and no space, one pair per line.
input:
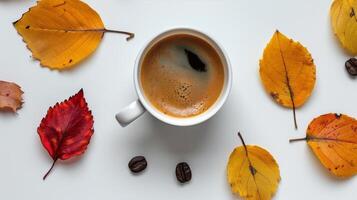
[253,173]
[344,23]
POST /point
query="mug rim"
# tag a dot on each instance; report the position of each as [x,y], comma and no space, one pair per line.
[188,121]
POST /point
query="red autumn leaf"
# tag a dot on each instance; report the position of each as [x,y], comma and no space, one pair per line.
[67,129]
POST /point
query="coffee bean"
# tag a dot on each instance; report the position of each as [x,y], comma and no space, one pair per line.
[183,172]
[351,66]
[137,164]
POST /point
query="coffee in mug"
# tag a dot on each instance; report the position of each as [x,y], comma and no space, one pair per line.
[182,75]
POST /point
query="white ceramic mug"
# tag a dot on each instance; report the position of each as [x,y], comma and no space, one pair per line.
[138,107]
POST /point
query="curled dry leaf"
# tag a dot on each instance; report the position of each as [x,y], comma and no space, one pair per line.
[344,23]
[10,96]
[253,173]
[333,139]
[67,129]
[61,33]
[288,72]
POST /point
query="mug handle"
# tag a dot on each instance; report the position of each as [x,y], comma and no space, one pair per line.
[130,113]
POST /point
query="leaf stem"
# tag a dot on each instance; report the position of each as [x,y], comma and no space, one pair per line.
[294,113]
[287,80]
[242,140]
[298,139]
[48,172]
[130,35]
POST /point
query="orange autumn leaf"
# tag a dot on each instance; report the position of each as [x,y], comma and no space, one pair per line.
[288,72]
[10,96]
[333,139]
[61,33]
[252,172]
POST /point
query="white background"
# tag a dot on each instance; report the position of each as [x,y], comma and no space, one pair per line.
[243,28]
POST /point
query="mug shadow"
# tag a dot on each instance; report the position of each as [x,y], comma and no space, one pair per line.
[176,141]
[149,135]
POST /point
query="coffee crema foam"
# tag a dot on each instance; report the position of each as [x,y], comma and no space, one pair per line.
[172,85]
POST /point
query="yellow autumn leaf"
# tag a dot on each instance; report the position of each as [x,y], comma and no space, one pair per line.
[61,33]
[288,72]
[252,172]
[333,139]
[344,23]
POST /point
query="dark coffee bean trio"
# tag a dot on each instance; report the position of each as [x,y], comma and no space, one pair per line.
[183,170]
